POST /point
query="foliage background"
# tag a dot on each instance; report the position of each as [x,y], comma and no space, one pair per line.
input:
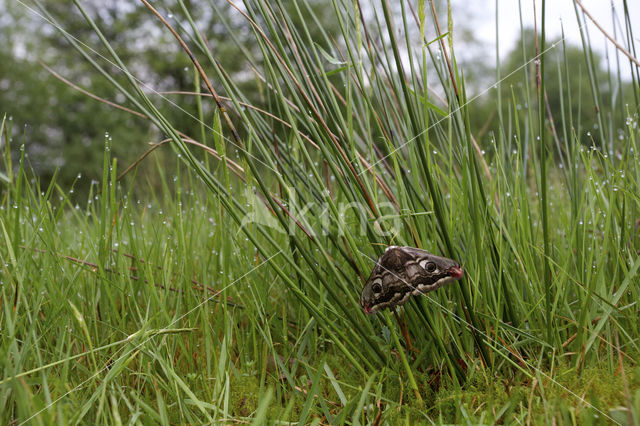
[152,299]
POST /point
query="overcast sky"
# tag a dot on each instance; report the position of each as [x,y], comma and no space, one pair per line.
[558,13]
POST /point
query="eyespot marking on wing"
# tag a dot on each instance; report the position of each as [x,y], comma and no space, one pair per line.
[376,286]
[428,265]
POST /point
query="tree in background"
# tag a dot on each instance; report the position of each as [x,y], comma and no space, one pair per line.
[64,128]
[569,91]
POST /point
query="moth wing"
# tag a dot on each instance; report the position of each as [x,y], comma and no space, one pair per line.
[415,253]
[396,258]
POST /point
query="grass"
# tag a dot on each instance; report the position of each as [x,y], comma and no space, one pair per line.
[228,291]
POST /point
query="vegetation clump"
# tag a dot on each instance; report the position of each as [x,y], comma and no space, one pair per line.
[214,276]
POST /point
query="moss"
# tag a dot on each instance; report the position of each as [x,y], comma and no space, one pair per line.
[514,397]
[561,396]
[244,395]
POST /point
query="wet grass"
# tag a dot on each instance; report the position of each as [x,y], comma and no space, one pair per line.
[228,291]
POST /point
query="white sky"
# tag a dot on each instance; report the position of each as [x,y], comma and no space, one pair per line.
[558,12]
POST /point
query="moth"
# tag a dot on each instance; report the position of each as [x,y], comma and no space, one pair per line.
[402,272]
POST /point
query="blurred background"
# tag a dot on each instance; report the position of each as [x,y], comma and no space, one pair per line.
[63,129]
